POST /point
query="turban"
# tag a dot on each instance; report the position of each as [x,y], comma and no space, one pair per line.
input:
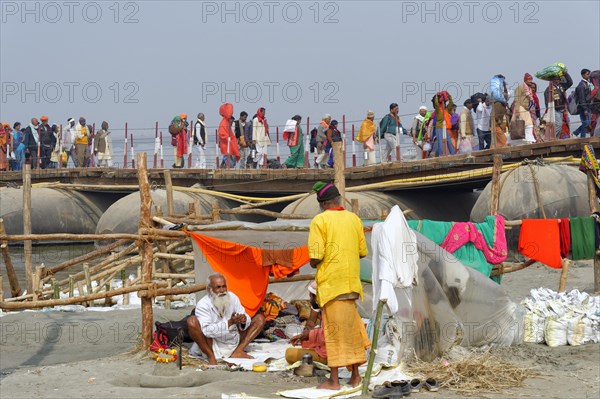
[82,120]
[44,118]
[325,191]
[183,116]
[370,114]
[423,107]
[527,77]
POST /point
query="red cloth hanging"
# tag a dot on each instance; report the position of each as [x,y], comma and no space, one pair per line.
[247,268]
[565,237]
[540,240]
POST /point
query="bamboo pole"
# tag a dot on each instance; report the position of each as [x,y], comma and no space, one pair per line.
[27,245]
[495,198]
[162,247]
[88,256]
[78,299]
[355,208]
[215,211]
[181,276]
[15,287]
[168,297]
[108,262]
[593,202]
[126,295]
[88,281]
[36,288]
[26,297]
[197,210]
[1,288]
[55,289]
[81,293]
[201,287]
[562,284]
[146,247]
[365,388]
[71,287]
[338,169]
[157,235]
[173,256]
[504,268]
[169,188]
[264,212]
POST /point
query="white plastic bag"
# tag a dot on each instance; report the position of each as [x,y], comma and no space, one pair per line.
[556,331]
[583,332]
[535,326]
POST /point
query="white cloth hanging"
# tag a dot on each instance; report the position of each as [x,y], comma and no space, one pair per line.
[395,257]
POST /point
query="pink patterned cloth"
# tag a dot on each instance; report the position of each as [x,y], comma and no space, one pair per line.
[462,233]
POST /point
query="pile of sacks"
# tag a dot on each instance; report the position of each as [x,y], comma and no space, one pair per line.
[571,318]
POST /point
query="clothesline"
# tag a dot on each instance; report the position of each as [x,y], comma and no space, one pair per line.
[510,223]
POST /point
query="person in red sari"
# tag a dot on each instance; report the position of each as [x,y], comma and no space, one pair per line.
[227,141]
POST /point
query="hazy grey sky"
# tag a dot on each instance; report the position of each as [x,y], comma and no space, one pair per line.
[146,61]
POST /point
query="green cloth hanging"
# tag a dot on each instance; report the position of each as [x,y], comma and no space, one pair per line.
[583,238]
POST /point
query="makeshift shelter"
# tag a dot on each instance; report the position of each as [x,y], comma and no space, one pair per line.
[52,211]
[450,305]
[416,205]
[120,217]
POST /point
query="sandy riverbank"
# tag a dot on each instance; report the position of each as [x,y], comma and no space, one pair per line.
[72,355]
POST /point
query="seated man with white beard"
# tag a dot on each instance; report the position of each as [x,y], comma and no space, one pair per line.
[221,328]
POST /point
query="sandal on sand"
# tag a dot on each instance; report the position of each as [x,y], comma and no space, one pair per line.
[432,385]
[415,385]
[387,391]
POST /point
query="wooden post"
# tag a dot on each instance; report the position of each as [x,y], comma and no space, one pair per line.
[493,124]
[126,295]
[88,280]
[355,208]
[36,289]
[495,198]
[338,169]
[216,211]
[1,289]
[145,248]
[27,246]
[169,187]
[15,288]
[55,289]
[197,209]
[162,246]
[563,275]
[168,297]
[71,286]
[81,291]
[593,201]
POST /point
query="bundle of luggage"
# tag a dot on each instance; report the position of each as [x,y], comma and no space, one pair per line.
[556,70]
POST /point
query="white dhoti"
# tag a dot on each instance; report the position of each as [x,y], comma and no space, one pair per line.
[200,162]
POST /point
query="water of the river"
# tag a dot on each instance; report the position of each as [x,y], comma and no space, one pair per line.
[49,255]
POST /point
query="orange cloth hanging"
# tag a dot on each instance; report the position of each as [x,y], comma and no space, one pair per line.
[247,268]
[540,240]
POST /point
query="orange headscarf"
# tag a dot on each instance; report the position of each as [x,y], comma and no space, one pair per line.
[225,132]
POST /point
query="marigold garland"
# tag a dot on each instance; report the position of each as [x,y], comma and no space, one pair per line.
[165,355]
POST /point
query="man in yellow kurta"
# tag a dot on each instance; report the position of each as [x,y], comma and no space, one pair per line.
[336,242]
